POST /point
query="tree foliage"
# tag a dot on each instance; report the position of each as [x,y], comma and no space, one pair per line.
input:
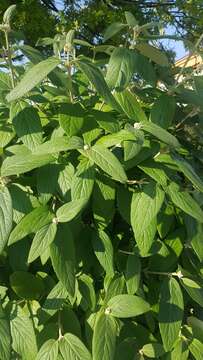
[100,200]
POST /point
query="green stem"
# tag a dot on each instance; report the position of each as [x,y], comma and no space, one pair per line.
[177,274]
[10,59]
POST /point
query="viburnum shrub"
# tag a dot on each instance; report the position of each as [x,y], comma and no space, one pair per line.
[101,232]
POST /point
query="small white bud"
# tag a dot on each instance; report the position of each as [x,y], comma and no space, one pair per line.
[55,220]
[179,274]
[108,311]
[86,147]
[137,126]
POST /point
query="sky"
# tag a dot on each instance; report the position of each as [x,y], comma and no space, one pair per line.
[175,45]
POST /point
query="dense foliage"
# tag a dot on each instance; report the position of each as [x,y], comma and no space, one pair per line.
[40,18]
[100,201]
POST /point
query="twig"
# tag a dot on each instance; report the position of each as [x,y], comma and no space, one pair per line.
[9,59]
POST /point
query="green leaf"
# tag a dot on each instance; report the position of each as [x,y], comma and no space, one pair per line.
[27,126]
[8,14]
[6,135]
[6,216]
[131,20]
[95,76]
[103,250]
[54,301]
[188,171]
[32,78]
[5,336]
[83,180]
[26,285]
[43,238]
[155,170]
[71,347]
[163,111]
[145,241]
[19,164]
[185,202]
[153,350]
[120,68]
[108,162]
[196,348]
[161,134]
[130,106]
[104,337]
[124,199]
[125,306]
[195,235]
[48,351]
[112,30]
[30,223]
[63,258]
[194,290]
[70,321]
[145,206]
[197,327]
[86,293]
[116,286]
[116,138]
[58,144]
[170,312]
[69,211]
[103,200]
[132,274]
[23,334]
[153,53]
[71,118]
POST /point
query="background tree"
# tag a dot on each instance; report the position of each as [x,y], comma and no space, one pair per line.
[93,16]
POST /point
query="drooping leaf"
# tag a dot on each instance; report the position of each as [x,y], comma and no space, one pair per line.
[63,258]
[145,206]
[185,202]
[113,29]
[161,134]
[32,78]
[19,164]
[6,216]
[58,144]
[163,111]
[95,76]
[130,106]
[104,337]
[170,312]
[188,171]
[83,180]
[103,200]
[103,250]
[30,223]
[104,158]
[153,53]
[120,68]
[132,274]
[194,290]
[43,238]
